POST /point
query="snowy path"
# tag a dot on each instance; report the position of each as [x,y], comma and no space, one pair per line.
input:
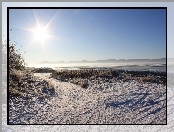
[71,100]
[119,102]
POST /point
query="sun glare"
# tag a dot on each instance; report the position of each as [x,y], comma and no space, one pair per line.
[41,34]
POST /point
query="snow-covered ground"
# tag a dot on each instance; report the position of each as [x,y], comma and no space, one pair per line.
[120,102]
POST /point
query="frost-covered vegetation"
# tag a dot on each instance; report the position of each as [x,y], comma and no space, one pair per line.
[81,77]
[22,83]
[16,71]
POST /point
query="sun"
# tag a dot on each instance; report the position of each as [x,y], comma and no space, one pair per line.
[41,34]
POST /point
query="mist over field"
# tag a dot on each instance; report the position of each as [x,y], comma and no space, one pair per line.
[158,64]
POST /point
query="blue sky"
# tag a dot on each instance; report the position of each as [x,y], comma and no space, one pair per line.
[88,34]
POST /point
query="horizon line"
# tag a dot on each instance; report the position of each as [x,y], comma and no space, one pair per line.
[102,60]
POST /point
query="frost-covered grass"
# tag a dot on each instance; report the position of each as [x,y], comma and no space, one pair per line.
[81,77]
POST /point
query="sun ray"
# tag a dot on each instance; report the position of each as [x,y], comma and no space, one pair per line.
[36,18]
[53,36]
[27,29]
[30,44]
[43,44]
[51,20]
